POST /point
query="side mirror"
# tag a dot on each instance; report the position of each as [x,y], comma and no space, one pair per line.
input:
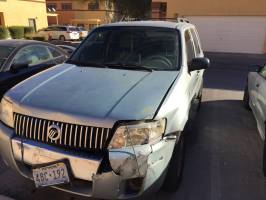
[199,64]
[17,66]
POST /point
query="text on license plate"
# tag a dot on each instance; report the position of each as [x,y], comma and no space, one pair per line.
[50,175]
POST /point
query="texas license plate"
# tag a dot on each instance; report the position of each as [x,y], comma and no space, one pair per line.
[51,175]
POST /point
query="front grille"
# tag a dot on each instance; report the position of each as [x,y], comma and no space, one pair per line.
[72,135]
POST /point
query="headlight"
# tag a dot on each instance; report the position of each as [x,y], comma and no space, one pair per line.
[6,112]
[139,134]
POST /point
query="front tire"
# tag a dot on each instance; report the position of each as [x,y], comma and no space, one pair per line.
[175,169]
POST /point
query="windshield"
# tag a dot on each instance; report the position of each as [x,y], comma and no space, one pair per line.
[4,53]
[150,47]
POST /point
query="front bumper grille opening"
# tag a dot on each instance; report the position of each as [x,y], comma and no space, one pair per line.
[73,136]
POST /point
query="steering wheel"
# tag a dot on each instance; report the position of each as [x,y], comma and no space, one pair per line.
[158,60]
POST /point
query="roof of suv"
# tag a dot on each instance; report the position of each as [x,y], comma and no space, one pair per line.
[164,24]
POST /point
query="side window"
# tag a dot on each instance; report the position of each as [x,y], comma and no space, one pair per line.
[54,52]
[32,55]
[62,29]
[54,28]
[189,47]
[262,72]
[196,42]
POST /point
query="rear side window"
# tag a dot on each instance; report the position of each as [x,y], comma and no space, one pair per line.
[189,47]
[55,53]
[4,54]
[52,28]
[196,41]
[62,29]
[5,51]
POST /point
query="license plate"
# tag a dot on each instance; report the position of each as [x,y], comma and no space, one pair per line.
[50,175]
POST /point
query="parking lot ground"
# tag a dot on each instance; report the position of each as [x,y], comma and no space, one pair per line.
[223,148]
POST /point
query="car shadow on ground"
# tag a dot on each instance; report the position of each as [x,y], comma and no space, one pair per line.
[223,156]
[229,71]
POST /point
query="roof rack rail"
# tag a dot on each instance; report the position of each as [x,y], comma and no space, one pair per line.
[181,19]
[178,19]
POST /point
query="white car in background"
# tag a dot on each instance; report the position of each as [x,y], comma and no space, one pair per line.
[60,33]
[255,99]
[83,33]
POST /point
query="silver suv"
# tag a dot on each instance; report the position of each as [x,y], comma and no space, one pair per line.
[109,123]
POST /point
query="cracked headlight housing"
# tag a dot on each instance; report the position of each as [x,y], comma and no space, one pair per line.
[138,134]
[6,112]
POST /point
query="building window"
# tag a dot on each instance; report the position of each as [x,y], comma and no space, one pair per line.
[51,7]
[159,9]
[66,6]
[94,5]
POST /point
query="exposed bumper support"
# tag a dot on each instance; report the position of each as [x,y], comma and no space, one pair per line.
[35,153]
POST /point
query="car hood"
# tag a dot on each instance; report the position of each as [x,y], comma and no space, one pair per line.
[95,92]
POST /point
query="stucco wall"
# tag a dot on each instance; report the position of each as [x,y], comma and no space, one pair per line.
[17,12]
[215,7]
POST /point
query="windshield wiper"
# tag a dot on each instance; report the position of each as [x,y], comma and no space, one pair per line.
[86,64]
[128,66]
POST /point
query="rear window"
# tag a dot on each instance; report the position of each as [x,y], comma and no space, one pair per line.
[5,52]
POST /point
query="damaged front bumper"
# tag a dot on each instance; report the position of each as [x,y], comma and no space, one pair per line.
[131,171]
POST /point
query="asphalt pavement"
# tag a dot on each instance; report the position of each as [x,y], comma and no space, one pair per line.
[223,148]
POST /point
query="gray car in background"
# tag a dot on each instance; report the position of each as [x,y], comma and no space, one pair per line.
[109,123]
